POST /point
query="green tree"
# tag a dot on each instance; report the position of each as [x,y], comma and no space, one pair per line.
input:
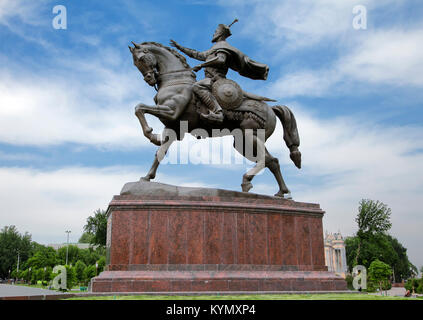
[71,279]
[97,226]
[373,218]
[89,272]
[101,264]
[86,238]
[379,272]
[39,274]
[402,267]
[90,256]
[383,247]
[14,274]
[43,257]
[79,268]
[73,254]
[24,274]
[12,242]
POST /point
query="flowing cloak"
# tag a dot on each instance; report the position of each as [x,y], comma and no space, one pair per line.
[241,63]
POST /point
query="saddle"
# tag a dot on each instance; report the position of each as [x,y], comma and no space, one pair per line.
[235,102]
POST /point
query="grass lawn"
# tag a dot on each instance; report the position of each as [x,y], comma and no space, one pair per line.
[40,286]
[329,296]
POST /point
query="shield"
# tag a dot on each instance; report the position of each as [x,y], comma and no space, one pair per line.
[228,93]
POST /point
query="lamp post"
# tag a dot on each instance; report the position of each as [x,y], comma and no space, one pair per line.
[17,267]
[67,245]
[393,274]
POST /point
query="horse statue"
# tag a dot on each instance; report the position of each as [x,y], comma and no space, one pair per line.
[168,71]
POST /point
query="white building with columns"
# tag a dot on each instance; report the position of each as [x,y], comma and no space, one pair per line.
[335,256]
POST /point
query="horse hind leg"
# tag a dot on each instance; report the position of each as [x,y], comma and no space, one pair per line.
[247,150]
[267,161]
[273,164]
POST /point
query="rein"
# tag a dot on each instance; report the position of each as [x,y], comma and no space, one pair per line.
[176,81]
[175,71]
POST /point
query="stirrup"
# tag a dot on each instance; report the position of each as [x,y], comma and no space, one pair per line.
[217,117]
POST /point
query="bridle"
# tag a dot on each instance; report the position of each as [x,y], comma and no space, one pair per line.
[175,71]
[151,70]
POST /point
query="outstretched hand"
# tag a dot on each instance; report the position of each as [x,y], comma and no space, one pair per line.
[174,44]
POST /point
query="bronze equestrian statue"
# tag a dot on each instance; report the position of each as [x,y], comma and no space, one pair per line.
[212,103]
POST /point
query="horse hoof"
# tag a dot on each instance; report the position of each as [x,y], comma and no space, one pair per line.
[285,195]
[296,158]
[246,186]
[279,194]
[146,178]
[156,139]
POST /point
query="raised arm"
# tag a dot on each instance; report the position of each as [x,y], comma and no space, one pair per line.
[189,52]
[218,61]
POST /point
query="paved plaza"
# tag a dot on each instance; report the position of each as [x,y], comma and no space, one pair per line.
[8,291]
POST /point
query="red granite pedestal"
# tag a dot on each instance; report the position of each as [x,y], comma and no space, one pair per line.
[206,243]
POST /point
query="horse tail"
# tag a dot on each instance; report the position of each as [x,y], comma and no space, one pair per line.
[290,132]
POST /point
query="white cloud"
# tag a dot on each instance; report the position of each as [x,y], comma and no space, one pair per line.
[26,11]
[84,102]
[299,23]
[303,83]
[46,203]
[388,57]
[293,24]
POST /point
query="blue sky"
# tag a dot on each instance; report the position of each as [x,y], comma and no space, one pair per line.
[69,139]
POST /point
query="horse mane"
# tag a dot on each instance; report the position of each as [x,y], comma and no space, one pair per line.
[173,51]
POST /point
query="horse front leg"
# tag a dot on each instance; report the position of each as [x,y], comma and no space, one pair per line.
[170,137]
[160,110]
[146,129]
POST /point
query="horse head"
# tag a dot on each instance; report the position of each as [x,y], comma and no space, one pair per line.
[160,64]
[146,62]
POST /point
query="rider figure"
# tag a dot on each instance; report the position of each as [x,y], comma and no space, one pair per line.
[218,60]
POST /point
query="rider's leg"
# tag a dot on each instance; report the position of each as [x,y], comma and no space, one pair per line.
[203,90]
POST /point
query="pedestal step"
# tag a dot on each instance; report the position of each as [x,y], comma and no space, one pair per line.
[220,281]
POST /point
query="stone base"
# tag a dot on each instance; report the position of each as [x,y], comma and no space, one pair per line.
[163,238]
[221,281]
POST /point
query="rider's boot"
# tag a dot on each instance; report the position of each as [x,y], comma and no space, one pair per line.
[215,110]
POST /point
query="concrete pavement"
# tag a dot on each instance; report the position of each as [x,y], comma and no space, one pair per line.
[13,292]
